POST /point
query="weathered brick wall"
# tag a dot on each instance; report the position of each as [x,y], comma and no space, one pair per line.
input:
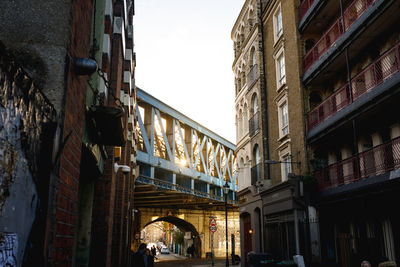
[66,213]
[27,128]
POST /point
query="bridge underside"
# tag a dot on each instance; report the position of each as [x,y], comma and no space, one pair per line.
[152,196]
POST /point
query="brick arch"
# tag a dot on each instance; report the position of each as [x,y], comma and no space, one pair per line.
[184,226]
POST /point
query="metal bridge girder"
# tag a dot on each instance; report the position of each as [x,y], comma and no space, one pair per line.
[209,158]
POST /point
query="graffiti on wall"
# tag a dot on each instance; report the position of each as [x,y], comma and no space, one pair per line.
[8,249]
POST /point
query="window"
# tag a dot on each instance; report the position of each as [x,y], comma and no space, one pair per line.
[278,29]
[281,70]
[284,120]
[287,167]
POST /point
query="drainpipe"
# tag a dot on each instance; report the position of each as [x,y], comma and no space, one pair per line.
[264,90]
[296,230]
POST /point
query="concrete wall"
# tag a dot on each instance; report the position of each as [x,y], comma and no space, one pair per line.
[41,29]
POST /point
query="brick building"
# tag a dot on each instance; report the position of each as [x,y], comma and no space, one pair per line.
[351,77]
[69,206]
[248,71]
[270,129]
[284,209]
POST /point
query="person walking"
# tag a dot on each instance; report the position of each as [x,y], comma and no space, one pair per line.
[150,258]
[154,251]
[140,257]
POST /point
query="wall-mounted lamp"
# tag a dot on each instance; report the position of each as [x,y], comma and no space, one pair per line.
[124,168]
[85,66]
[251,231]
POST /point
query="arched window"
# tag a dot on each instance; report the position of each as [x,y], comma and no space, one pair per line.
[241,173]
[254,105]
[240,123]
[245,119]
[253,60]
[256,155]
[243,76]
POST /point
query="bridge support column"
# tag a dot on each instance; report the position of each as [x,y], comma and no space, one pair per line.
[208,188]
[174,180]
[170,131]
[189,145]
[152,172]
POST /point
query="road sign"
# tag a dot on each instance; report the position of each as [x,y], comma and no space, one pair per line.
[213,228]
[213,222]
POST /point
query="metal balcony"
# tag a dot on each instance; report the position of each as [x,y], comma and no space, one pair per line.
[255,173]
[372,162]
[304,7]
[341,25]
[252,77]
[253,125]
[369,78]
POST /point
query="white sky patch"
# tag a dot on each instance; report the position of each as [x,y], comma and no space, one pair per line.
[184,58]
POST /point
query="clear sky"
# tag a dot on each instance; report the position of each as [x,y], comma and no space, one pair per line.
[184,58]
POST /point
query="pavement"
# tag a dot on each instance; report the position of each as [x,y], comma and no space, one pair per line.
[182,261]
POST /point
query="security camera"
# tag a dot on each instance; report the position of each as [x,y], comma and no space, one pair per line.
[124,168]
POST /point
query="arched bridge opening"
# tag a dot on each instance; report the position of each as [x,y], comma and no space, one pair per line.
[191,235]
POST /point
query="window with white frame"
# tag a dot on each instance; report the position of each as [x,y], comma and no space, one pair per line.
[280,69]
[283,119]
[278,28]
[287,167]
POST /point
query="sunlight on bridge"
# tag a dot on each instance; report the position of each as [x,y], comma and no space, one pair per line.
[176,153]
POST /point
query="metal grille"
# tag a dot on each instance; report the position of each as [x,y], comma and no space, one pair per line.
[252,77]
[255,173]
[253,124]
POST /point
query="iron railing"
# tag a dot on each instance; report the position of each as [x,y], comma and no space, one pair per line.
[304,7]
[350,15]
[253,124]
[372,162]
[252,77]
[255,173]
[373,75]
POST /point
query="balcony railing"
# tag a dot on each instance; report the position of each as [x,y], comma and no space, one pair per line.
[252,76]
[372,162]
[373,75]
[304,6]
[253,124]
[255,173]
[377,72]
[350,15]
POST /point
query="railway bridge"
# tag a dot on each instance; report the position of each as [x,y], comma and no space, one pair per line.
[186,176]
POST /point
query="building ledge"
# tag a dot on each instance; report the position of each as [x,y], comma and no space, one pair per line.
[359,185]
[311,14]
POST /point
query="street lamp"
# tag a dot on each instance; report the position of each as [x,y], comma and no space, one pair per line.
[226,191]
